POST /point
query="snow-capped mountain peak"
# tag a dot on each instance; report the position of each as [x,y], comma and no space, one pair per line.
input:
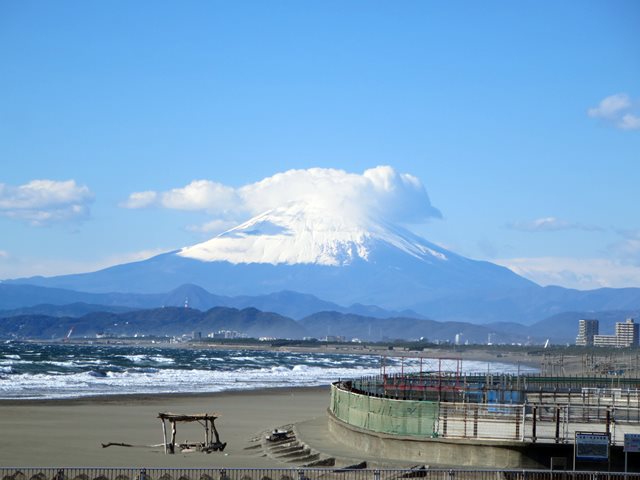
[309,234]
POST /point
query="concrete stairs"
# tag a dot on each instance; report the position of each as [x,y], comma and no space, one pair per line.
[288,449]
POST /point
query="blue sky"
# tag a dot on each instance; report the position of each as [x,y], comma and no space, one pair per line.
[520,119]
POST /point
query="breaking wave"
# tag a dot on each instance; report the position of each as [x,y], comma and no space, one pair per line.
[68,371]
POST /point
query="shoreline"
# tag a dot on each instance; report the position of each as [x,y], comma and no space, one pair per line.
[137,398]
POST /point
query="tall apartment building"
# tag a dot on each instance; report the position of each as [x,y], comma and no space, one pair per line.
[606,341]
[627,333]
[626,336]
[587,329]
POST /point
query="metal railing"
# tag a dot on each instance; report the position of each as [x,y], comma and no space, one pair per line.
[80,473]
[481,421]
[547,422]
[499,388]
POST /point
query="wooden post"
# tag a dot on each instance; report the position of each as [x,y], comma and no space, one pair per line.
[173,436]
[164,435]
[206,432]
[215,431]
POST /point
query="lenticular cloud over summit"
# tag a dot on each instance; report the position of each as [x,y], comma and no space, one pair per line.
[380,193]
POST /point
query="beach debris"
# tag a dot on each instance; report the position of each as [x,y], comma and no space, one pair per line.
[211,442]
[118,444]
[278,434]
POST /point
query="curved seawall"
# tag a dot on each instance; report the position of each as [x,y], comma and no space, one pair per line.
[408,430]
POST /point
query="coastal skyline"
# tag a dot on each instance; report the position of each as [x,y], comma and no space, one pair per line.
[128,130]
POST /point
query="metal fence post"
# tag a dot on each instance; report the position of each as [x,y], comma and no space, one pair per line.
[376,475]
[533,424]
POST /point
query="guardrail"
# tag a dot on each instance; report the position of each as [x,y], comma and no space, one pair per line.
[81,473]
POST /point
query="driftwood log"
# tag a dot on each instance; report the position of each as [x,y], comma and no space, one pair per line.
[117,444]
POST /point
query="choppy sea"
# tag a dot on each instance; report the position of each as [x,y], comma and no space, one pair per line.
[45,371]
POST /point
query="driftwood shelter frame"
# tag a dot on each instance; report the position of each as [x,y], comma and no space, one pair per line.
[212,441]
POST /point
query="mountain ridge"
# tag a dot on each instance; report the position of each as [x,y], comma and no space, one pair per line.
[17,299]
[343,258]
[178,321]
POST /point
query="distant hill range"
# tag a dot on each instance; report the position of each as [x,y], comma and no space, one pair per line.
[293,315]
[172,321]
[18,299]
[88,320]
[168,321]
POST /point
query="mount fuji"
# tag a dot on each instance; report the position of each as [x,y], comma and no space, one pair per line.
[340,255]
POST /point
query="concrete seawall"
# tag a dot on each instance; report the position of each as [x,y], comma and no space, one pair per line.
[438,451]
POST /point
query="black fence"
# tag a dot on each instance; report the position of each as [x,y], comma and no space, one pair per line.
[299,474]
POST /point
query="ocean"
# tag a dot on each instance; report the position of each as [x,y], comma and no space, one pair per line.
[59,371]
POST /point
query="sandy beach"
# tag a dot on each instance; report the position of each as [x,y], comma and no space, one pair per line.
[70,432]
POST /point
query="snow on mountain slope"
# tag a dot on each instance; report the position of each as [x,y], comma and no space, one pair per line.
[343,255]
[307,234]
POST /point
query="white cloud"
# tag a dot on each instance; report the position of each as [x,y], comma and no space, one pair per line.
[42,202]
[611,106]
[629,121]
[550,224]
[627,249]
[619,110]
[579,273]
[202,195]
[199,195]
[379,191]
[4,254]
[140,200]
